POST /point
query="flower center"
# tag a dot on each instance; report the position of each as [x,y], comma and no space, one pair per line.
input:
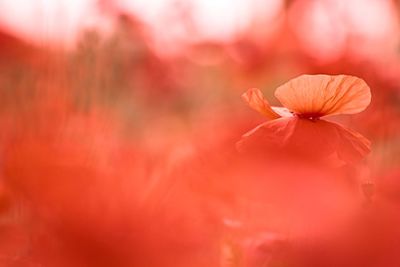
[309,116]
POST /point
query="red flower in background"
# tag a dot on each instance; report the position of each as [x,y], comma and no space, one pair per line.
[297,127]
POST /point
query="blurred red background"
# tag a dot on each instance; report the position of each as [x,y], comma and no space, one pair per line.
[119,122]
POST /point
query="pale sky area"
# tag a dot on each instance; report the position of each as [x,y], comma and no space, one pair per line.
[315,22]
[49,20]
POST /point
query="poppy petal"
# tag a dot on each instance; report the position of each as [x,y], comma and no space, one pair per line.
[306,140]
[282,111]
[256,100]
[271,133]
[322,95]
[351,146]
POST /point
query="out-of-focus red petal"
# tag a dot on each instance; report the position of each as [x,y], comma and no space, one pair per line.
[351,146]
[270,135]
[255,100]
[305,139]
[322,95]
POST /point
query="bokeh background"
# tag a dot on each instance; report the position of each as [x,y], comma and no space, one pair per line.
[119,120]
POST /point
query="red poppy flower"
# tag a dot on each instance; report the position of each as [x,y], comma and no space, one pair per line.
[297,127]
